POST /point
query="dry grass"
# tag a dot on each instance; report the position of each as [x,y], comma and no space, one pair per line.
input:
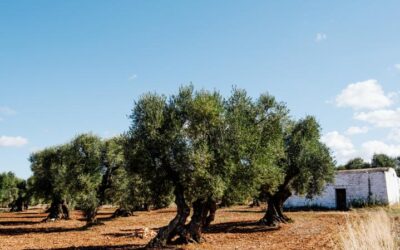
[371,230]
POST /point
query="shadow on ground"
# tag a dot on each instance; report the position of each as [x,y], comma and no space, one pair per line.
[23,230]
[246,211]
[116,247]
[18,223]
[240,227]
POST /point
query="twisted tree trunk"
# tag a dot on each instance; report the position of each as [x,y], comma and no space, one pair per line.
[58,210]
[91,216]
[212,209]
[274,214]
[176,225]
[18,205]
[198,220]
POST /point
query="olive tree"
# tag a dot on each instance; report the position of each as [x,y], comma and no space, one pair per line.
[50,168]
[176,143]
[254,142]
[8,188]
[84,173]
[356,163]
[307,165]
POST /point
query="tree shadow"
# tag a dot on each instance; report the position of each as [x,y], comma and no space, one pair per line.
[30,213]
[22,217]
[239,227]
[245,211]
[112,247]
[119,235]
[22,230]
[165,211]
[104,219]
[18,223]
[31,216]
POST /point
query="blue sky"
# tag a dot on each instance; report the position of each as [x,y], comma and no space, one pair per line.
[68,67]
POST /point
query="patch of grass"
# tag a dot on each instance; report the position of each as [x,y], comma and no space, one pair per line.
[370,230]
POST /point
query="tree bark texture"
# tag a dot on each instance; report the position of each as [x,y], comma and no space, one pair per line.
[176,225]
[274,214]
[58,210]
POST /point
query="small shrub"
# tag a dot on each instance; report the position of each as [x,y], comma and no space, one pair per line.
[362,203]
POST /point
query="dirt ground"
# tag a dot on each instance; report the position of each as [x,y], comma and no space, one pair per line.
[234,228]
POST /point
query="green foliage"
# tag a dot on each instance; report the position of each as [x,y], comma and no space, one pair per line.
[179,141]
[383,161]
[84,170]
[363,203]
[49,168]
[224,149]
[9,188]
[378,161]
[356,163]
[308,164]
[254,144]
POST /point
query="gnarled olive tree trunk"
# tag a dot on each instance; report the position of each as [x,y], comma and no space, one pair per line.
[177,225]
[58,210]
[203,215]
[274,214]
[90,215]
[18,205]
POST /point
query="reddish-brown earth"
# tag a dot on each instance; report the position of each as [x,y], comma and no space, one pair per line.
[234,228]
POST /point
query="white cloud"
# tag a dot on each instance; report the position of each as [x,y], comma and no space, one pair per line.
[384,118]
[11,141]
[364,95]
[370,147]
[132,77]
[320,37]
[397,66]
[7,111]
[394,135]
[356,130]
[342,147]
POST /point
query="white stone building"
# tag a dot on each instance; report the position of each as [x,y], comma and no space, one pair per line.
[375,185]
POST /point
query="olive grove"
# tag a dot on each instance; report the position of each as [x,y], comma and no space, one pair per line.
[195,148]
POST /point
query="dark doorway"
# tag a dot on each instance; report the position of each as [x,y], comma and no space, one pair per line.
[341,199]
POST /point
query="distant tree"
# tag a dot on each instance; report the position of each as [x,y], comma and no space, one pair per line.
[8,188]
[50,169]
[129,192]
[382,160]
[307,166]
[84,174]
[341,167]
[22,201]
[356,163]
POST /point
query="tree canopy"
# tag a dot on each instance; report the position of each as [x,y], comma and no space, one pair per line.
[208,149]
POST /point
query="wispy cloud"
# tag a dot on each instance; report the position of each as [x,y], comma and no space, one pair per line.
[132,77]
[12,141]
[7,111]
[354,130]
[397,66]
[319,37]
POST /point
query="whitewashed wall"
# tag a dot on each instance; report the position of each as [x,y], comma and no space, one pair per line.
[393,187]
[378,184]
